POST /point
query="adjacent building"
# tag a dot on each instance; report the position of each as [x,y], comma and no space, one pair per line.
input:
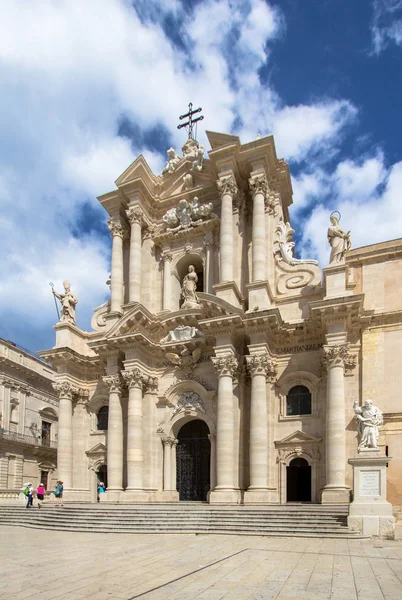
[223,368]
[29,411]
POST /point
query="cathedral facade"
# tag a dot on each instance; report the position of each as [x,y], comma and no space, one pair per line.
[223,368]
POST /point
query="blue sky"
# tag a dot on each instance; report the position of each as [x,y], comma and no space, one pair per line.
[87,86]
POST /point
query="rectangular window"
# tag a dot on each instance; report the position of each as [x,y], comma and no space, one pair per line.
[43,478]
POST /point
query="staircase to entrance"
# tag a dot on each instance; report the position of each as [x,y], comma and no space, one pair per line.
[196,518]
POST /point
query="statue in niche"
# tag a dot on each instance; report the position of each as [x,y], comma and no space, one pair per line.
[339,241]
[189,289]
[68,301]
[172,161]
[369,419]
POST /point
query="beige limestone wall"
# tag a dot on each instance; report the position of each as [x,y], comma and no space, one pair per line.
[380,285]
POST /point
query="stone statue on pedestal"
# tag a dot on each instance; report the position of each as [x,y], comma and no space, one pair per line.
[189,289]
[338,239]
[68,302]
[369,419]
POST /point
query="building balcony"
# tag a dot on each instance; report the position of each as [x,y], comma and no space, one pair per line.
[30,440]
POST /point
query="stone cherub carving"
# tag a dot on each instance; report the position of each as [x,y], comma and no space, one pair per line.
[189,289]
[186,214]
[284,244]
[199,159]
[172,161]
[369,420]
[68,302]
[339,241]
[186,359]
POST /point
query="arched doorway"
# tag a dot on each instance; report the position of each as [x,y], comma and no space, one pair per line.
[193,456]
[102,475]
[298,481]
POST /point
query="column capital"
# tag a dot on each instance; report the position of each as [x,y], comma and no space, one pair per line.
[166,255]
[259,185]
[83,395]
[116,227]
[113,382]
[135,214]
[227,185]
[64,389]
[168,441]
[225,366]
[334,356]
[134,378]
[151,384]
[261,364]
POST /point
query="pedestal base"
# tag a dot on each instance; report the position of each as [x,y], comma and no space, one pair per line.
[112,496]
[229,292]
[259,496]
[259,297]
[134,497]
[225,497]
[370,513]
[335,495]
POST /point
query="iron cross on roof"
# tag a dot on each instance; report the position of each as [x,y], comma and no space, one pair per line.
[191,121]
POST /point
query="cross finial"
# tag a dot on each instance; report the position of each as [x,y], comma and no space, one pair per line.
[191,121]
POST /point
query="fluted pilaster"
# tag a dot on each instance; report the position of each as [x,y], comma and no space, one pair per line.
[115,433]
[116,284]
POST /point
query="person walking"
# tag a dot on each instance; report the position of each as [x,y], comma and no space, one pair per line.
[40,494]
[58,492]
[28,492]
[101,489]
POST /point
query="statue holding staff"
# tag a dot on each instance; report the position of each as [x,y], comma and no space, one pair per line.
[338,239]
[68,302]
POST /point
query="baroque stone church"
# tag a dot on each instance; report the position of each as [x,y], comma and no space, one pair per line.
[223,368]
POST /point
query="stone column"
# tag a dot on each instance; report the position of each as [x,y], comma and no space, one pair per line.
[259,367]
[335,490]
[173,467]
[167,463]
[80,424]
[116,286]
[225,491]
[227,188]
[135,216]
[259,190]
[65,435]
[114,434]
[167,278]
[208,244]
[135,380]
[212,475]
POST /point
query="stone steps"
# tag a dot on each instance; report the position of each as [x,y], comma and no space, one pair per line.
[282,521]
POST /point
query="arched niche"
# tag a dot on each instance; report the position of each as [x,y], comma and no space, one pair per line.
[180,270]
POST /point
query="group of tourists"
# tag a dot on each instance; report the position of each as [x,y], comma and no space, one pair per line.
[40,493]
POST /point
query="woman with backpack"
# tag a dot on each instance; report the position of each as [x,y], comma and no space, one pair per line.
[58,492]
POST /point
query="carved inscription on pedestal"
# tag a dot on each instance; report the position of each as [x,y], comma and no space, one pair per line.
[369,483]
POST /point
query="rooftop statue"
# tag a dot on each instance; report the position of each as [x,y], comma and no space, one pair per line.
[68,301]
[199,159]
[187,214]
[172,161]
[339,241]
[189,289]
[369,419]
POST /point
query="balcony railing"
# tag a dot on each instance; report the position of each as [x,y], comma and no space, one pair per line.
[26,439]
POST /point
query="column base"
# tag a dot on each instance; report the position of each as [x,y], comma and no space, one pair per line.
[229,292]
[335,495]
[259,297]
[112,496]
[168,496]
[227,496]
[259,496]
[134,497]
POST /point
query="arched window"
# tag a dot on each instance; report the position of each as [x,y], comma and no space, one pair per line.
[298,401]
[103,416]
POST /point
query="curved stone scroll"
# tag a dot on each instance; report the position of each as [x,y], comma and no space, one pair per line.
[292,273]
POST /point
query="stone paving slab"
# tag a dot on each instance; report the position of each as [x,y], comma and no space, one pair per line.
[92,566]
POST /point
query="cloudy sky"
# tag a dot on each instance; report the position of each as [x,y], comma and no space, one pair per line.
[87,86]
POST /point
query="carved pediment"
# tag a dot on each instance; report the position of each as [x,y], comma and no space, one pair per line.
[297,438]
[97,450]
[139,169]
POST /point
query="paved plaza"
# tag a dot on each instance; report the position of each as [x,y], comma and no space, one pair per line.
[83,566]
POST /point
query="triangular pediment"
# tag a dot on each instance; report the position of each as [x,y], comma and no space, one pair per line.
[298,437]
[139,169]
[98,449]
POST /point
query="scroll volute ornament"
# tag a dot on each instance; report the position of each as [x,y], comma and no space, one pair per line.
[225,366]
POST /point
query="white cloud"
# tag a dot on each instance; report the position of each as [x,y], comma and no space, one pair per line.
[386,24]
